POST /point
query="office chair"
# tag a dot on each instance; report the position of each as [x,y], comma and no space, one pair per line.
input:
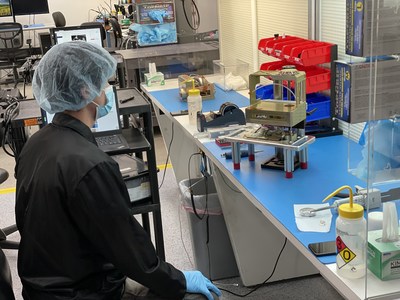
[117,31]
[97,24]
[59,19]
[11,39]
[4,243]
[6,291]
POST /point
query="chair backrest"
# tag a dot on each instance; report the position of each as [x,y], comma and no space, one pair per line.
[11,36]
[116,29]
[97,24]
[59,19]
[6,291]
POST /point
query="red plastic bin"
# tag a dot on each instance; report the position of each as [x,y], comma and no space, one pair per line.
[317,79]
[269,45]
[297,50]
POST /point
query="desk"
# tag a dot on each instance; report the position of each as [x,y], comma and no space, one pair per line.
[33,27]
[258,204]
[186,54]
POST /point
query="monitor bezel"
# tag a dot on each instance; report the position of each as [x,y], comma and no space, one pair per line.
[54,30]
[45,10]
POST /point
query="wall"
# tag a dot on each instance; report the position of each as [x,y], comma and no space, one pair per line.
[208,15]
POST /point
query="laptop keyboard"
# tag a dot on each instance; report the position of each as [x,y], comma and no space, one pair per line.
[108,140]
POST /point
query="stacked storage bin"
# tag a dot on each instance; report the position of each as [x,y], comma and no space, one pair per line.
[305,55]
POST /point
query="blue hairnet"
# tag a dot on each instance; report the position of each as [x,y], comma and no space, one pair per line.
[71,75]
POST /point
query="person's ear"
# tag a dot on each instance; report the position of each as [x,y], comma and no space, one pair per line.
[85,93]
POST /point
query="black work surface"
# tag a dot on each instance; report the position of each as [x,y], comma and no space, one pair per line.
[136,105]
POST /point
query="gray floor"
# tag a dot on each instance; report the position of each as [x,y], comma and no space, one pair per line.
[177,241]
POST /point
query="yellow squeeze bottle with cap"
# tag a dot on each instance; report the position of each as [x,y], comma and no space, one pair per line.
[351,235]
[195,104]
[120,16]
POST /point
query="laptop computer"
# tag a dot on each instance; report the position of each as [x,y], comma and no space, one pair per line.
[88,33]
[107,130]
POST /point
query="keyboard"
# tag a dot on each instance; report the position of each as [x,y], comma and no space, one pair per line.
[108,140]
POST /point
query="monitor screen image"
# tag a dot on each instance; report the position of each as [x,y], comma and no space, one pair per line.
[75,33]
[5,8]
[30,7]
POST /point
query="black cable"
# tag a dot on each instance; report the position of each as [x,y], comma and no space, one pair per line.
[168,154]
[186,17]
[191,191]
[208,243]
[265,281]
[10,113]
[223,179]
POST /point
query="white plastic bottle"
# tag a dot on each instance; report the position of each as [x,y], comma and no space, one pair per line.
[120,16]
[351,237]
[195,104]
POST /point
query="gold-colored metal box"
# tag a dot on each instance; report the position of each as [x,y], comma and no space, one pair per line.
[187,82]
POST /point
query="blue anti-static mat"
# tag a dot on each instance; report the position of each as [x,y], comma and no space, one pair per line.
[170,100]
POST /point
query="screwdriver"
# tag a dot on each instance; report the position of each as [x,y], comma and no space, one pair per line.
[243,153]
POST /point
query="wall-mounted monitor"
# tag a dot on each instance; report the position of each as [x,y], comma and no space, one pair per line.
[30,7]
[5,8]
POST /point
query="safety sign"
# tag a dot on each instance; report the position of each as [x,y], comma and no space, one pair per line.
[345,255]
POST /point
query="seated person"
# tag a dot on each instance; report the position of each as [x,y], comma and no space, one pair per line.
[78,238]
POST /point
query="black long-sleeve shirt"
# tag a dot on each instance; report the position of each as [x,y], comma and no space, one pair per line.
[78,238]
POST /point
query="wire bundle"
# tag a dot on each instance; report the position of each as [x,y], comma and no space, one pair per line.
[10,112]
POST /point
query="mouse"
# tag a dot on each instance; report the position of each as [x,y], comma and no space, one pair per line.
[26,26]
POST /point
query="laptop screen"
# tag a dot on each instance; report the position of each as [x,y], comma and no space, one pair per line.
[90,34]
[108,123]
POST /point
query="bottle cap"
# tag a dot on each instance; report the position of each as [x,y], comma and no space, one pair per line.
[194,92]
[348,211]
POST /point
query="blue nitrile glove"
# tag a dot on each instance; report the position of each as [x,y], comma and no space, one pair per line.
[158,15]
[197,283]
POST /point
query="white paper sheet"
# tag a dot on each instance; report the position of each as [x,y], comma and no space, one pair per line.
[321,222]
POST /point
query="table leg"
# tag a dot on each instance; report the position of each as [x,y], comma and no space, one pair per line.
[236,155]
[304,158]
[251,152]
[288,159]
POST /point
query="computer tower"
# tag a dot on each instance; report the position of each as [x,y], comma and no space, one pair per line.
[45,42]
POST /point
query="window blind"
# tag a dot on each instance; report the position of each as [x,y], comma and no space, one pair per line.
[236,24]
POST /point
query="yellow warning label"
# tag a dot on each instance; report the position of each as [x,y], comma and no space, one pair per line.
[347,255]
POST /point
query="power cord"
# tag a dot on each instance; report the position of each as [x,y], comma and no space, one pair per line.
[223,179]
[168,154]
[265,281]
[206,214]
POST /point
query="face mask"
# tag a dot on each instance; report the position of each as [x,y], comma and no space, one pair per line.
[102,111]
